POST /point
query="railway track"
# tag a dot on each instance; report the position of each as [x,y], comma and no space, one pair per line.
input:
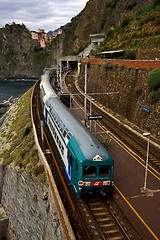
[103,222]
[119,129]
[89,219]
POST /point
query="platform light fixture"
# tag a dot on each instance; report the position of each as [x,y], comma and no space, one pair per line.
[147,134]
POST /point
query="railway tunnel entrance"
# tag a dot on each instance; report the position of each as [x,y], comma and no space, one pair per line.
[69,62]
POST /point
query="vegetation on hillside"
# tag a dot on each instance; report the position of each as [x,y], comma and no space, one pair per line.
[139,32]
[154,84]
[19,136]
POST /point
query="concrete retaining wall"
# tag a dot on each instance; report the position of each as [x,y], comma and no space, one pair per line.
[131,83]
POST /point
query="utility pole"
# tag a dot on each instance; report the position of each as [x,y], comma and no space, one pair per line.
[145,178]
[90,114]
[85,97]
[60,75]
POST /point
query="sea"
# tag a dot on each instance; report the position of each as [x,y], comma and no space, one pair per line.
[14,87]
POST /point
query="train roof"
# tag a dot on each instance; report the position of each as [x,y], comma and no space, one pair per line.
[88,143]
[45,84]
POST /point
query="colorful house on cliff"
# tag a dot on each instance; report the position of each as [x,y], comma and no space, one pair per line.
[39,36]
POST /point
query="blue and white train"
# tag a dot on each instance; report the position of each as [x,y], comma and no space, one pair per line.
[87,163]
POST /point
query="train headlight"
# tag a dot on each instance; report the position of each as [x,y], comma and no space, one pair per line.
[80,183]
[106,182]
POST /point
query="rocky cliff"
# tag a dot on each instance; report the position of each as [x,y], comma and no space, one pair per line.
[28,205]
[97,17]
[125,24]
[20,56]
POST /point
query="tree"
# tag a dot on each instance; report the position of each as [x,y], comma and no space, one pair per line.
[154,79]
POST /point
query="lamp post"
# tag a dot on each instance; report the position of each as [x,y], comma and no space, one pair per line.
[145,179]
[70,99]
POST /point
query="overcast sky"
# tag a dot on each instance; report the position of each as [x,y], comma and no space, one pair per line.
[44,14]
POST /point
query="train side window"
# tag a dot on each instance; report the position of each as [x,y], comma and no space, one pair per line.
[104,171]
[62,150]
[89,171]
[55,135]
[64,133]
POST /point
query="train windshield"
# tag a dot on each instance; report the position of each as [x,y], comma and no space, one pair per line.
[104,171]
[89,171]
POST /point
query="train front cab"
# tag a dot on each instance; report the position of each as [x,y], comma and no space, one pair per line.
[95,177]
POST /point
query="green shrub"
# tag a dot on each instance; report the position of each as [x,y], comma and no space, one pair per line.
[39,169]
[138,90]
[112,4]
[88,65]
[154,96]
[131,55]
[26,131]
[125,22]
[34,198]
[154,79]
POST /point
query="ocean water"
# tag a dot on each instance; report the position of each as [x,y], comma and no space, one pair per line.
[15,88]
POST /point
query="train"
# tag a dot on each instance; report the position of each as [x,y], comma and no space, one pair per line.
[88,165]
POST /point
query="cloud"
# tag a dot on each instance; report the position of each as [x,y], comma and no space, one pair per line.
[45,14]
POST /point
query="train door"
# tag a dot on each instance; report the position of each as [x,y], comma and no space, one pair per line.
[45,114]
[69,165]
[76,173]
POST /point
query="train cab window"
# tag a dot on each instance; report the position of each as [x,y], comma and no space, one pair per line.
[89,171]
[104,171]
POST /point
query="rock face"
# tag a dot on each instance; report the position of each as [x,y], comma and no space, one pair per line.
[97,17]
[3,224]
[28,206]
[20,56]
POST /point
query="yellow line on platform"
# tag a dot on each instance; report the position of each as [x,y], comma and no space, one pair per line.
[145,224]
[120,191]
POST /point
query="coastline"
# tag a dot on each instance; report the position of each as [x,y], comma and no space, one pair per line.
[5,107]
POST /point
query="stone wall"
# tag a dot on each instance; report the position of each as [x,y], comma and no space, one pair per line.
[149,53]
[131,83]
[28,205]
